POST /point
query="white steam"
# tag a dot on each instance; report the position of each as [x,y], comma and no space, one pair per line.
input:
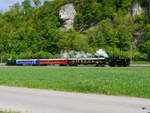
[77,54]
[101,53]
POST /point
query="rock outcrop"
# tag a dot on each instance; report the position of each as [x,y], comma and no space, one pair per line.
[67,15]
[136,9]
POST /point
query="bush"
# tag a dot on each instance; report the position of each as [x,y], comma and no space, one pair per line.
[42,55]
[139,56]
[25,55]
[117,53]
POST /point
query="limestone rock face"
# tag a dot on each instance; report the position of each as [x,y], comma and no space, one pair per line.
[136,9]
[67,15]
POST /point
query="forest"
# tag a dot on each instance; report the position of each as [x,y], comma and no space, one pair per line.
[33,31]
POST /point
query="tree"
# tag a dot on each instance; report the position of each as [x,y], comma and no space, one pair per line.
[27,7]
[72,40]
[28,31]
[37,2]
[26,4]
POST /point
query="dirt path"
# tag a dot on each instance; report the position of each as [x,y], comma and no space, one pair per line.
[27,100]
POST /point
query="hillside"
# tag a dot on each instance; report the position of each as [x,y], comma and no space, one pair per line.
[117,26]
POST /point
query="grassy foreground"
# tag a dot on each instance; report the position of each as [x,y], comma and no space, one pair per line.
[111,81]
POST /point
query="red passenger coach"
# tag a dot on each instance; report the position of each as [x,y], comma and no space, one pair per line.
[53,61]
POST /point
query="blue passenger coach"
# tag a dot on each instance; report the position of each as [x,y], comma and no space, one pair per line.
[27,62]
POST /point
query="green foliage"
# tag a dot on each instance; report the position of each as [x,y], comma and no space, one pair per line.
[28,31]
[141,62]
[145,48]
[37,2]
[72,40]
[89,14]
[117,53]
[113,36]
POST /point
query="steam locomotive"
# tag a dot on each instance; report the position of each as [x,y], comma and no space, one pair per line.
[102,62]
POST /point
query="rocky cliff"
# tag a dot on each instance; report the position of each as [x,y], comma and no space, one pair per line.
[136,9]
[67,15]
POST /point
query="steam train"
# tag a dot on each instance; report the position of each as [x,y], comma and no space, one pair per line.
[102,62]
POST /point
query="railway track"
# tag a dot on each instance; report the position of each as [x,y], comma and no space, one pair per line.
[132,65]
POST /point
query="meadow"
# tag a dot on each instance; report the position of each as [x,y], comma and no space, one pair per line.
[111,81]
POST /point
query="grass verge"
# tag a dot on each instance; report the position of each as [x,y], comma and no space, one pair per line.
[110,81]
[7,112]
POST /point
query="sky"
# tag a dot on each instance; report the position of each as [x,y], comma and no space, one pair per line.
[4,4]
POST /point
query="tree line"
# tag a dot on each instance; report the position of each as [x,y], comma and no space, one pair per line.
[28,31]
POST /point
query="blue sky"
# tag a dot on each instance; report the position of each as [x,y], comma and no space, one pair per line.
[4,4]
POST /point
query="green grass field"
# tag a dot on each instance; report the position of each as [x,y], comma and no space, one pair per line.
[110,81]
